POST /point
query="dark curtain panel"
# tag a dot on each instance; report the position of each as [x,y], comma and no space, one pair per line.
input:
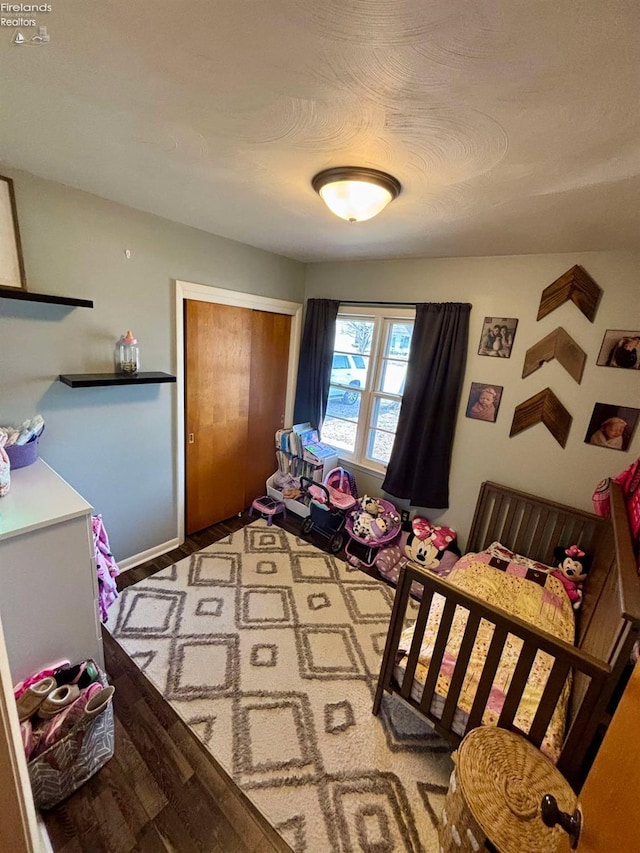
[421,455]
[316,356]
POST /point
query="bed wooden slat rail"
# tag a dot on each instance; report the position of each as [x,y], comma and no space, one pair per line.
[608,627]
[529,525]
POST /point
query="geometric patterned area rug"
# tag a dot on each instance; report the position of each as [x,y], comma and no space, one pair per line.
[269,649]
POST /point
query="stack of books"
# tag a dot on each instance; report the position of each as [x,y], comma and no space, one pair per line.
[300,452]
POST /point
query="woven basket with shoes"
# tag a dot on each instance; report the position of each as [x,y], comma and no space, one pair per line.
[71,761]
[495,795]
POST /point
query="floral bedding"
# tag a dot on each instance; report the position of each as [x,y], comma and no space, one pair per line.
[540,600]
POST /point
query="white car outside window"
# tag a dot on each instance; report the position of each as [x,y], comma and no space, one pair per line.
[348,370]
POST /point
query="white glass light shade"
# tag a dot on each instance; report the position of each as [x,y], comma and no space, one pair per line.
[355,201]
[354,193]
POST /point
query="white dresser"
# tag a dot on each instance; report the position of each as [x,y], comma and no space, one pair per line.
[48,582]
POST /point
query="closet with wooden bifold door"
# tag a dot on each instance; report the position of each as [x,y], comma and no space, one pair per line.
[236,362]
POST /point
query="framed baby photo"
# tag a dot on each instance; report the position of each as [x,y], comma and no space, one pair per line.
[484,402]
[497,336]
[611,426]
[11,264]
[620,349]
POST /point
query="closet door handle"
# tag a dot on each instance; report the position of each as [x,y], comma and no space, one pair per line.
[191,438]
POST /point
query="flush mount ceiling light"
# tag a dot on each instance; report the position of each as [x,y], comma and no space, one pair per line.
[355,193]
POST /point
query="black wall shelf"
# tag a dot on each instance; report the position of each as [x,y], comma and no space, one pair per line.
[96,380]
[26,296]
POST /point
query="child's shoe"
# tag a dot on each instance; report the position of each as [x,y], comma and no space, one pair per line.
[90,703]
[99,701]
[19,688]
[57,700]
[33,697]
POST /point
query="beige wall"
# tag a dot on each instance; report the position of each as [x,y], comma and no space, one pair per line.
[117,446]
[511,287]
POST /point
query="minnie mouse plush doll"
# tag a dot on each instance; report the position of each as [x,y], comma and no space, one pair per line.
[432,546]
[573,565]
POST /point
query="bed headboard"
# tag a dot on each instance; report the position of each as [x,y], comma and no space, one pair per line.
[530,525]
[534,526]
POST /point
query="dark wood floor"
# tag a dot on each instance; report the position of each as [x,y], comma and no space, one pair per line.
[162,790]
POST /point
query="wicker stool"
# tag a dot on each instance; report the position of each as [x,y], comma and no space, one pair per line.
[495,793]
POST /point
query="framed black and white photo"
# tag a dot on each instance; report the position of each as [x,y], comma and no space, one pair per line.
[484,402]
[620,348]
[611,426]
[497,336]
[11,264]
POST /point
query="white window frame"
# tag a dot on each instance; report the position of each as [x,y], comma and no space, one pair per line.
[381,316]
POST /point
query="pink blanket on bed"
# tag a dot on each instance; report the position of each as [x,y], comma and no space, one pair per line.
[545,606]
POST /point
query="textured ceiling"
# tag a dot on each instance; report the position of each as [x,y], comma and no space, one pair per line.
[514,127]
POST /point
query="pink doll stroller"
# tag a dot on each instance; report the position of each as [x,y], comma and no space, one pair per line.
[329,503]
[372,524]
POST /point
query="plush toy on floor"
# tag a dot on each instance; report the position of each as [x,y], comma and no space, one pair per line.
[428,543]
[368,526]
[430,546]
[573,565]
[372,506]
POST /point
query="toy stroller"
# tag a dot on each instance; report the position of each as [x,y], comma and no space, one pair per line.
[329,503]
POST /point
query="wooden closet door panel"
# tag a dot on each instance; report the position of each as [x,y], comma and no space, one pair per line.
[270,335]
[217,373]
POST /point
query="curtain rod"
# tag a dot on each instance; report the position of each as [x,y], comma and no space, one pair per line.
[377,304]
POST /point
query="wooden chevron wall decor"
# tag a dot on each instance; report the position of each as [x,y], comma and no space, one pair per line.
[575,285]
[560,345]
[543,408]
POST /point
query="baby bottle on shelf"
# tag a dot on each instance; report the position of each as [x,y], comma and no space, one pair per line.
[127,354]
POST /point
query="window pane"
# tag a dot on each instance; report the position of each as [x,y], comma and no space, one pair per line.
[340,362]
[354,335]
[344,404]
[366,387]
[349,370]
[392,376]
[399,339]
[379,446]
[385,414]
[339,433]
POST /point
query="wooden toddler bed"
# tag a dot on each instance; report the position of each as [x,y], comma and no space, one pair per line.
[486,636]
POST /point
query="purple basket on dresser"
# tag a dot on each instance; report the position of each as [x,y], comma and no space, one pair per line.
[21,455]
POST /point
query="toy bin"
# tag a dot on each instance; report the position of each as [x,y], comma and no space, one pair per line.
[69,763]
[499,797]
[21,455]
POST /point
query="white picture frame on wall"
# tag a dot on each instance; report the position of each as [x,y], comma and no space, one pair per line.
[11,261]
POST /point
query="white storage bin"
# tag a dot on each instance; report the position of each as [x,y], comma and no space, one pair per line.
[297,507]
